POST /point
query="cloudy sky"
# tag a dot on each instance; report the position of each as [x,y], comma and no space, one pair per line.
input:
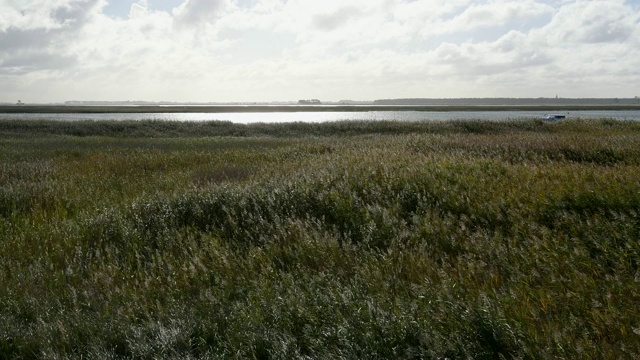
[280,50]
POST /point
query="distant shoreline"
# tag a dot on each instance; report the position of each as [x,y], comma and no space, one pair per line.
[57,109]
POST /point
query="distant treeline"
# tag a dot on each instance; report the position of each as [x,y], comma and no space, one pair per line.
[510,101]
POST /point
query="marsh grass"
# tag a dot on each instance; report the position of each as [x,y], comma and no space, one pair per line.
[347,240]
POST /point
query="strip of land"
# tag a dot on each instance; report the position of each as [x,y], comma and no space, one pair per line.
[53,109]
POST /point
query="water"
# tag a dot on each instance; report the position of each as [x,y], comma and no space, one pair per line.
[280,117]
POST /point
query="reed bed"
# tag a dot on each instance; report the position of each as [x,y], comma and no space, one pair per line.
[474,239]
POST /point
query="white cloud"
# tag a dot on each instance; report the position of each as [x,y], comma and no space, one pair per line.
[336,19]
[491,14]
[227,50]
[137,10]
[593,22]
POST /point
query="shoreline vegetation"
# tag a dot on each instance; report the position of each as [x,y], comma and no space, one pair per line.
[52,109]
[360,240]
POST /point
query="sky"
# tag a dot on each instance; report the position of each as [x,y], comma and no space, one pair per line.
[284,50]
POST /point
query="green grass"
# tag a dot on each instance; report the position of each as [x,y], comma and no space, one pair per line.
[462,239]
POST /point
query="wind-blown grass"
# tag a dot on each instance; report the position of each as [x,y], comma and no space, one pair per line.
[162,128]
[349,240]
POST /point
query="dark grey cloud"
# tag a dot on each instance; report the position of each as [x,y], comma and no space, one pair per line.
[13,39]
[336,19]
[196,12]
[75,15]
[607,31]
[27,50]
[27,61]
[594,23]
[30,49]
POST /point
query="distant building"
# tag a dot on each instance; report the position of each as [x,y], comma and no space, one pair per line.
[309,102]
[19,103]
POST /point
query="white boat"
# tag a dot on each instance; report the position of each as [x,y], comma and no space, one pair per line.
[554,117]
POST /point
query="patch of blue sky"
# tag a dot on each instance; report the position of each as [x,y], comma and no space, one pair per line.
[117,9]
[121,8]
[164,5]
[246,3]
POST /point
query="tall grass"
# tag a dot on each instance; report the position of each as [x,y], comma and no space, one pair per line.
[350,240]
[162,128]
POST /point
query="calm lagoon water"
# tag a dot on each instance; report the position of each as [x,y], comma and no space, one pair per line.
[280,117]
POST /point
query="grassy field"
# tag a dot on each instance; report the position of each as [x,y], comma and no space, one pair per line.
[353,240]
